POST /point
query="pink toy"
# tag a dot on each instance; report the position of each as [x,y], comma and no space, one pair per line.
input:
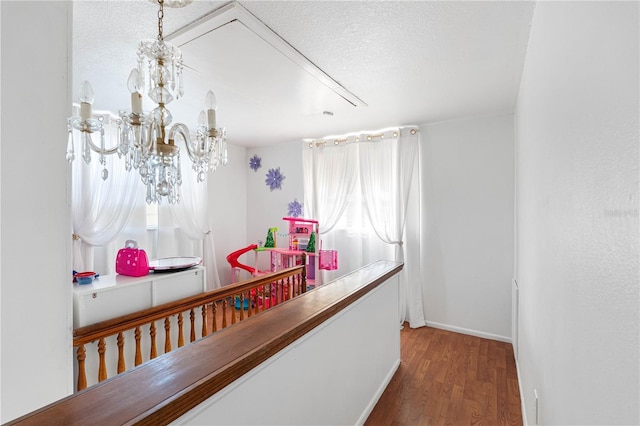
[328,260]
[132,261]
[232,258]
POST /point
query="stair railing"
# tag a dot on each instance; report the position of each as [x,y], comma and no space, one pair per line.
[217,308]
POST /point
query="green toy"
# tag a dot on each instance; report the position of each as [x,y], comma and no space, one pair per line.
[270,241]
[311,245]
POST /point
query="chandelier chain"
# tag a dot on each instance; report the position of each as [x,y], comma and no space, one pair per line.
[160,17]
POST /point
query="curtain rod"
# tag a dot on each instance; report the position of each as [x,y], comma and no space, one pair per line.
[355,138]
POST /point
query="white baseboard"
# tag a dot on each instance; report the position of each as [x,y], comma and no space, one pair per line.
[376,397]
[522,407]
[469,332]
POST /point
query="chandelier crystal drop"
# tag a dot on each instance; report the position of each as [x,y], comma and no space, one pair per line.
[145,141]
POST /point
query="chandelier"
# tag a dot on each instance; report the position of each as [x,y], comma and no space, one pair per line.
[144,139]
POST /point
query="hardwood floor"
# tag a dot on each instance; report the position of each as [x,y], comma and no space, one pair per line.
[448,378]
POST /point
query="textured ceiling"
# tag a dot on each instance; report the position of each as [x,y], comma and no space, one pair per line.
[411,62]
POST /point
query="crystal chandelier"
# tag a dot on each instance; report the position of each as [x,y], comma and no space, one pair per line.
[144,140]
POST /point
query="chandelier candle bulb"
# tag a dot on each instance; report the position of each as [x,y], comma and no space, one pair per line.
[86,99]
[136,103]
[85,110]
[135,87]
[211,104]
[211,118]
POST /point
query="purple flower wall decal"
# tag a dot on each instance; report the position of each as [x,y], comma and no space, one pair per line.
[295,208]
[274,179]
[255,163]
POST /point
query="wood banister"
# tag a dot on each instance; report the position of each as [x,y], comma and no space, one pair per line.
[192,319]
[113,326]
[82,374]
[204,320]
[180,331]
[167,335]
[122,365]
[164,315]
[145,395]
[102,369]
[138,356]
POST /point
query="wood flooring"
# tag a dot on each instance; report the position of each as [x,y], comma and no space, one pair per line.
[447,378]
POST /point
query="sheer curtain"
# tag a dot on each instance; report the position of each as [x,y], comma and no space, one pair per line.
[101,208]
[190,220]
[365,187]
[329,179]
[387,167]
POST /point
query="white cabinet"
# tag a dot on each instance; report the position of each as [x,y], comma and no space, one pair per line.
[169,286]
[90,307]
[111,296]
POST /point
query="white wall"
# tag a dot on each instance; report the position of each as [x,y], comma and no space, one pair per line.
[228,208]
[328,377]
[468,184]
[577,214]
[35,219]
[266,208]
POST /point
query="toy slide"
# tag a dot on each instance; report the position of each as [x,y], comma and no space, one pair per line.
[232,258]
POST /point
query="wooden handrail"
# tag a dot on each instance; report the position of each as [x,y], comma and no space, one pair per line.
[257,291]
[166,388]
[113,326]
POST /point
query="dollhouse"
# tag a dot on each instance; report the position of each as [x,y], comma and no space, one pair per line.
[303,239]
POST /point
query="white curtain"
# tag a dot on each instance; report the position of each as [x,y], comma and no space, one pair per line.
[335,170]
[365,187]
[190,218]
[100,208]
[387,166]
